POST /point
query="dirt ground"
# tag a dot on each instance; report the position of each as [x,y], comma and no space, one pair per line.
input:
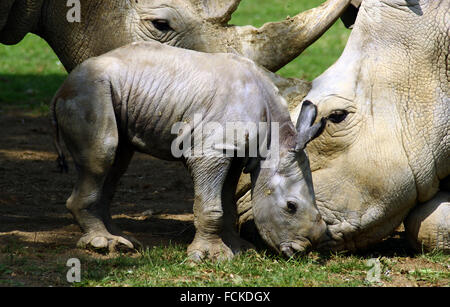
[33,192]
[33,195]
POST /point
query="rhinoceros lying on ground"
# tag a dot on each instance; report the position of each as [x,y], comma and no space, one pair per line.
[386,147]
[131,98]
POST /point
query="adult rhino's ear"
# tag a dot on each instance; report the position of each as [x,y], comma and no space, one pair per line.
[306,131]
[218,10]
[349,16]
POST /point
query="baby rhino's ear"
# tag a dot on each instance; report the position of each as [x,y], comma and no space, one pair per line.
[306,131]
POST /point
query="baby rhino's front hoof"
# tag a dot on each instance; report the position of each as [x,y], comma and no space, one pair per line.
[214,250]
[100,242]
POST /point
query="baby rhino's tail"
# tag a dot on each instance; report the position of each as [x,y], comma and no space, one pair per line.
[61,161]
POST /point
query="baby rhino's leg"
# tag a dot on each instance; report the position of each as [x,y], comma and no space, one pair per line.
[89,129]
[212,217]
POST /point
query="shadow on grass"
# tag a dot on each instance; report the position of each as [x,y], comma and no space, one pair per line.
[32,92]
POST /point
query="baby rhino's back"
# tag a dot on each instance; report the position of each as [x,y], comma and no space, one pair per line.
[154,87]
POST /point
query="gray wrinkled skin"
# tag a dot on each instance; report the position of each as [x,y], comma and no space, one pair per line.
[384,155]
[428,225]
[129,99]
[387,157]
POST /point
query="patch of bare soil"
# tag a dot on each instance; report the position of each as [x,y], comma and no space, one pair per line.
[153,203]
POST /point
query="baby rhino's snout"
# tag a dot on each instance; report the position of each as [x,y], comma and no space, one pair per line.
[289,227]
[312,231]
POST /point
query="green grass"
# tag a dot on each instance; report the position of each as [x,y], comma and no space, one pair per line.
[30,73]
[168,267]
[25,264]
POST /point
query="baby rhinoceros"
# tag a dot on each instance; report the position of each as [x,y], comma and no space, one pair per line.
[130,99]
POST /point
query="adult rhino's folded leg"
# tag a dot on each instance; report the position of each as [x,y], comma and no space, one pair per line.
[246,222]
[428,225]
[229,197]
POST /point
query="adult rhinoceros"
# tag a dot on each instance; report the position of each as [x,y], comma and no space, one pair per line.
[200,25]
[385,153]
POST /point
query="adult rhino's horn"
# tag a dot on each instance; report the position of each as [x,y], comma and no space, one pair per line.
[306,131]
[219,10]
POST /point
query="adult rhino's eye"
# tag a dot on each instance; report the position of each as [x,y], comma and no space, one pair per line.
[291,207]
[161,25]
[338,116]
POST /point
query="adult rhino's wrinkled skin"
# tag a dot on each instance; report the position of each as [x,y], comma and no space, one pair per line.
[384,154]
[386,147]
[200,25]
[428,225]
[130,99]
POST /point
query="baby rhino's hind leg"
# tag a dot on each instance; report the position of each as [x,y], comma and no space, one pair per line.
[89,129]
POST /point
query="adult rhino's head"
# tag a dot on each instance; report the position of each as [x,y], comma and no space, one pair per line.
[283,196]
[385,146]
[200,25]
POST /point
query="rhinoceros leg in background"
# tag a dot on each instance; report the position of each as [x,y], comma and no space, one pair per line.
[428,225]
